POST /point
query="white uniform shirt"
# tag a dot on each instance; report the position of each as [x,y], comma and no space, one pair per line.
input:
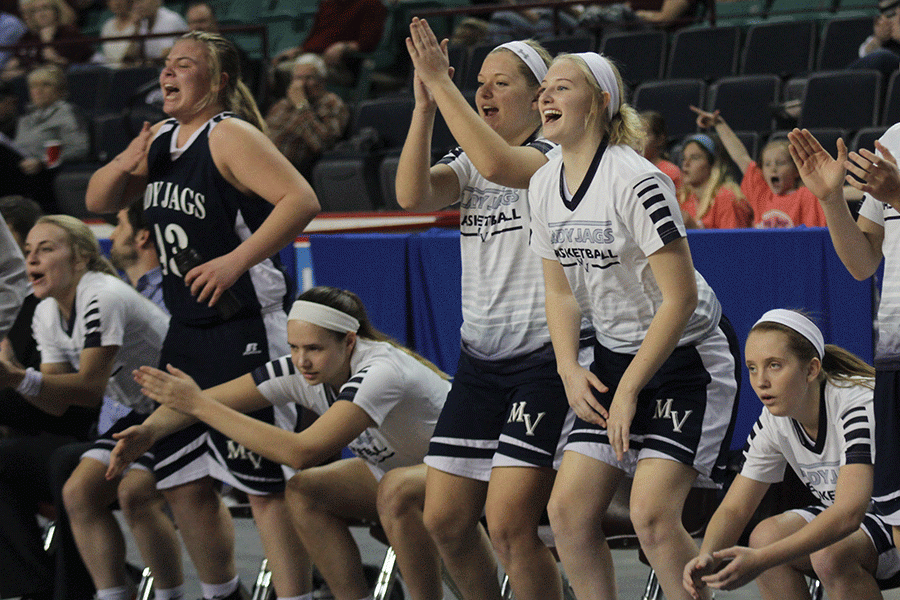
[400,394]
[624,211]
[846,436]
[887,347]
[108,312]
[502,281]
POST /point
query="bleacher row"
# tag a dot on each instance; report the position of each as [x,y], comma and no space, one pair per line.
[744,70]
[754,59]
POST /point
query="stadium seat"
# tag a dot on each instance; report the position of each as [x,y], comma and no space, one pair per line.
[569,44]
[827,136]
[892,101]
[469,79]
[671,98]
[745,101]
[88,87]
[639,55]
[846,99]
[123,83]
[112,134]
[387,177]
[784,48]
[865,138]
[802,9]
[388,116]
[840,42]
[704,52]
[347,183]
[739,12]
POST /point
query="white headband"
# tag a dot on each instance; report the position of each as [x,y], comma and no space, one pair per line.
[606,78]
[323,316]
[798,323]
[529,56]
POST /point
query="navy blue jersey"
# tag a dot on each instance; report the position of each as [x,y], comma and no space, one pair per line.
[189,204]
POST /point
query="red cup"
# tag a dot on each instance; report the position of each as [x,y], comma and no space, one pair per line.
[52,152]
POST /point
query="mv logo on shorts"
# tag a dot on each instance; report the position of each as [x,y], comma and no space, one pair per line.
[238,452]
[251,349]
[517,414]
[664,411]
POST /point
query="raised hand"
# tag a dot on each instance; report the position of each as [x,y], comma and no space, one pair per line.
[131,444]
[706,119]
[879,175]
[174,389]
[823,175]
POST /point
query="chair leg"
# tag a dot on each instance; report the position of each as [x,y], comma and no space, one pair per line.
[262,589]
[506,592]
[49,535]
[145,587]
[815,589]
[387,577]
[652,591]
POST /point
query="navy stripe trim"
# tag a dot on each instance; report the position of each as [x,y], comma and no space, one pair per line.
[585,183]
[449,450]
[182,461]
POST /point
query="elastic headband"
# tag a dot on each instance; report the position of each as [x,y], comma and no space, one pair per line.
[323,316]
[529,56]
[704,140]
[798,323]
[606,78]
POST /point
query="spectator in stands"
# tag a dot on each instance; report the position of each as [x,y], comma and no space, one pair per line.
[152,17]
[201,16]
[881,50]
[341,30]
[818,419]
[119,52]
[670,13]
[51,38]
[773,189]
[309,119]
[709,197]
[11,31]
[50,118]
[133,252]
[656,145]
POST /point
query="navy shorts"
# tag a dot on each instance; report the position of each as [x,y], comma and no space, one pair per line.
[686,412]
[501,413]
[886,490]
[104,444]
[214,355]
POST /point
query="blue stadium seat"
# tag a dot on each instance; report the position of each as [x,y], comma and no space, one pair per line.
[639,55]
[745,100]
[704,52]
[671,98]
[846,99]
[784,48]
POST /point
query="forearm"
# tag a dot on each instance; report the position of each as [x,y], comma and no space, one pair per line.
[269,441]
[493,157]
[106,191]
[724,528]
[288,219]
[733,145]
[413,181]
[828,527]
[661,339]
[855,248]
[564,323]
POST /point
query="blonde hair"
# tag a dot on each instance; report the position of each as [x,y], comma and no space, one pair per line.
[840,367]
[54,74]
[234,94]
[719,177]
[625,127]
[524,69]
[65,14]
[82,241]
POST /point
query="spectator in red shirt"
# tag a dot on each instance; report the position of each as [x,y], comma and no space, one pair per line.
[774,190]
[341,30]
